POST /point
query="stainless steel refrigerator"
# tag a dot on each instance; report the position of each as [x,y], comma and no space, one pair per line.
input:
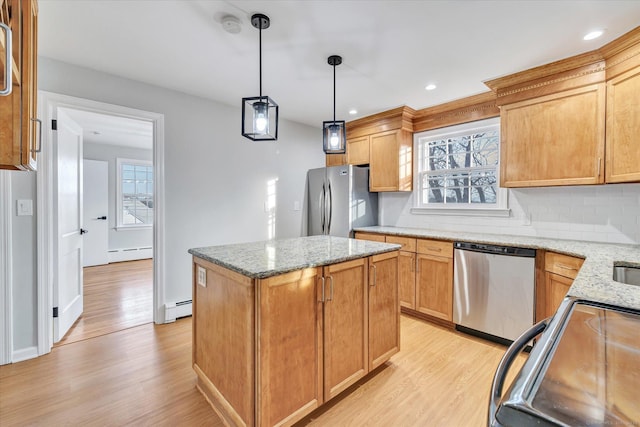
[338,200]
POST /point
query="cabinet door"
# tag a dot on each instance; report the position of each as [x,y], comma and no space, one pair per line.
[407,279]
[358,151]
[623,127]
[345,325]
[391,161]
[557,288]
[434,286]
[554,140]
[31,128]
[289,365]
[335,159]
[384,308]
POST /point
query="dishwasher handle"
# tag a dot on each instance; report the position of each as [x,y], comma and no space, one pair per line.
[506,362]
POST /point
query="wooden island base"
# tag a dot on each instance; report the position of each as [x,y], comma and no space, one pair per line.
[268,351]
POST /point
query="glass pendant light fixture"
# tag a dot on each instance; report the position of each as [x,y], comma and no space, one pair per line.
[260,113]
[334,134]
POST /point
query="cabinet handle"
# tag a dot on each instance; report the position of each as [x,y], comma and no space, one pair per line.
[566,267]
[8,82]
[331,292]
[39,149]
[431,248]
[413,263]
[375,274]
[599,165]
[322,300]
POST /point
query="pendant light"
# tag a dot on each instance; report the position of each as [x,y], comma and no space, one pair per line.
[260,113]
[334,135]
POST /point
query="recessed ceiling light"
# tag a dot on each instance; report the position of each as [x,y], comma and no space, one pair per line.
[430,86]
[353,111]
[593,35]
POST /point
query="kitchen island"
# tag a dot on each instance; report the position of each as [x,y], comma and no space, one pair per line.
[281,327]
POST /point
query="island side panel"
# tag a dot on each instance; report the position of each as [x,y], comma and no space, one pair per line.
[384,308]
[223,341]
[289,345]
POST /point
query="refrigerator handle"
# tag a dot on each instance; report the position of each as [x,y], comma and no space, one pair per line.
[330,209]
[322,207]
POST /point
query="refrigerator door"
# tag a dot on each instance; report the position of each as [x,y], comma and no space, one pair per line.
[338,204]
[317,191]
[363,204]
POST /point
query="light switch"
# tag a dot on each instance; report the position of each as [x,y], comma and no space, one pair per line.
[25,207]
[202,277]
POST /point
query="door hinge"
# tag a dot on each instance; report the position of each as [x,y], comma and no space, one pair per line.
[54,124]
[55,311]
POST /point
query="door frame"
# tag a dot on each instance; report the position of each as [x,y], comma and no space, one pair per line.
[6,266]
[48,103]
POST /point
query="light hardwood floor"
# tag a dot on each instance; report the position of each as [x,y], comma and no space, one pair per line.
[143,376]
[116,296]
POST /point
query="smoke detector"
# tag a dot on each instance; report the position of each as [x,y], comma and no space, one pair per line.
[231,24]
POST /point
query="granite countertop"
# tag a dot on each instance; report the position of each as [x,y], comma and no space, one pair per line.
[259,260]
[594,281]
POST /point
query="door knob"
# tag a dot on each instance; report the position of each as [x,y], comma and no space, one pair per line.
[102,217]
[83,231]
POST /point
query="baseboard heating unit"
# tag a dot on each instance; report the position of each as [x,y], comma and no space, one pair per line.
[176,310]
[130,254]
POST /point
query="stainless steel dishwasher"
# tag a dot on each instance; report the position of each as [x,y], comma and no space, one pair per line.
[493,290]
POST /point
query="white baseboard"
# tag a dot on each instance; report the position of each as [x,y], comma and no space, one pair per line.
[173,311]
[130,254]
[24,354]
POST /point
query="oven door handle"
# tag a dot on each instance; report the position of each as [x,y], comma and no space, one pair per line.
[506,362]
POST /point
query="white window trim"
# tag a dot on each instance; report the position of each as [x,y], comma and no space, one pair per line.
[501,208]
[119,225]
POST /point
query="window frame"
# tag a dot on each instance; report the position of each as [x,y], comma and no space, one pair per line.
[136,162]
[500,208]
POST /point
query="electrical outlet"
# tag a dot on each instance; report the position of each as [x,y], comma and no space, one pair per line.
[202,277]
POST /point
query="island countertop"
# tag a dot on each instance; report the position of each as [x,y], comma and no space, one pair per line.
[594,281]
[259,260]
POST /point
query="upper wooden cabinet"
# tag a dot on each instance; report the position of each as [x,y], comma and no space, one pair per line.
[554,140]
[553,119]
[19,129]
[623,127]
[385,142]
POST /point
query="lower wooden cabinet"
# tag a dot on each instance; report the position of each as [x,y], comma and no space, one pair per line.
[434,286]
[269,351]
[384,309]
[370,236]
[559,272]
[345,325]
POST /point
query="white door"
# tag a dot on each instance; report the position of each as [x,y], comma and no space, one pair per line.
[67,173]
[96,205]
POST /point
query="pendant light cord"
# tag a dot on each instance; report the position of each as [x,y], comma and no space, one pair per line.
[260,56]
[334,94]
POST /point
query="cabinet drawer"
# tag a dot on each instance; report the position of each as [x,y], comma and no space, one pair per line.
[564,265]
[370,236]
[408,243]
[435,247]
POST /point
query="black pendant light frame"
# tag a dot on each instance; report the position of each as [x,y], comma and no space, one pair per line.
[261,107]
[334,132]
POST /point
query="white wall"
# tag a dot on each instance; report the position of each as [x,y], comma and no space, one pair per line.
[601,213]
[134,238]
[24,258]
[215,180]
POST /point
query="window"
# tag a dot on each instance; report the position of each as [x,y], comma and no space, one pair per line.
[458,169]
[135,193]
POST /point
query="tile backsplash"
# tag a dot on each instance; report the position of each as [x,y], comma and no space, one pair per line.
[600,213]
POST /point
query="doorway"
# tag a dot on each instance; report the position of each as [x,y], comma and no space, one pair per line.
[53,105]
[117,225]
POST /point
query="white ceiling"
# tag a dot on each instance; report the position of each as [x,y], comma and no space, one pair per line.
[113,130]
[390,49]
